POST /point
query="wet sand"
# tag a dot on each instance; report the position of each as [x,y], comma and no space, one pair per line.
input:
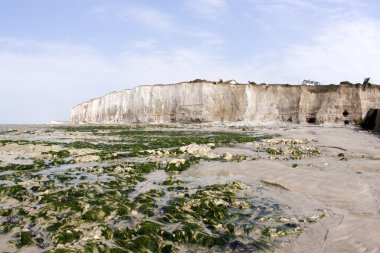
[348,189]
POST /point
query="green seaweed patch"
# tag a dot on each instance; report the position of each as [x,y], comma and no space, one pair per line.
[295,152]
[62,251]
[169,248]
[64,178]
[109,155]
[209,205]
[178,188]
[96,214]
[192,233]
[175,151]
[66,235]
[138,153]
[83,144]
[144,243]
[100,247]
[146,203]
[21,211]
[63,200]
[342,157]
[24,239]
[14,166]
[179,166]
[237,158]
[143,140]
[39,163]
[19,142]
[281,231]
[274,151]
[58,154]
[146,167]
[26,142]
[55,226]
[6,211]
[17,192]
[148,228]
[6,228]
[172,181]
[145,237]
[107,232]
[298,153]
[9,177]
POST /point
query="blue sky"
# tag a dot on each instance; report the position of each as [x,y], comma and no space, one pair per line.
[56,54]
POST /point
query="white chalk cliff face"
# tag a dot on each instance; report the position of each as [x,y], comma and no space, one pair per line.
[221,102]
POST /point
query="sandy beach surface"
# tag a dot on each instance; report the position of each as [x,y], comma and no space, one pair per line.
[340,178]
[350,189]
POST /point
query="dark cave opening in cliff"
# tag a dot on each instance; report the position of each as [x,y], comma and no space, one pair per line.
[345,113]
[311,120]
[346,122]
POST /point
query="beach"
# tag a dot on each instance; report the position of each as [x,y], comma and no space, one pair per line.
[291,188]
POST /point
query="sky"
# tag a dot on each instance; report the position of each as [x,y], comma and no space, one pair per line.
[56,54]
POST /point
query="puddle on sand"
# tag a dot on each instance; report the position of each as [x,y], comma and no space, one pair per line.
[152,181]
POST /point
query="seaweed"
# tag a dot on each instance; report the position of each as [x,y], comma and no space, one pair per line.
[108,216]
[24,239]
[145,167]
[66,235]
[342,157]
[148,228]
[96,214]
[64,178]
[171,181]
[58,154]
[61,251]
[6,228]
[146,203]
[180,166]
[17,192]
[13,166]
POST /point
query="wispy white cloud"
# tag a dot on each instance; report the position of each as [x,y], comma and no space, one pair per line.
[206,38]
[211,9]
[147,16]
[34,46]
[39,80]
[159,21]
[55,76]
[141,14]
[345,50]
[312,9]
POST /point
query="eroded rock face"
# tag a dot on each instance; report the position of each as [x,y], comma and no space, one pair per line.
[221,102]
[372,120]
[377,124]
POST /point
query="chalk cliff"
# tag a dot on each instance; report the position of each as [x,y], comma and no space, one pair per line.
[223,102]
